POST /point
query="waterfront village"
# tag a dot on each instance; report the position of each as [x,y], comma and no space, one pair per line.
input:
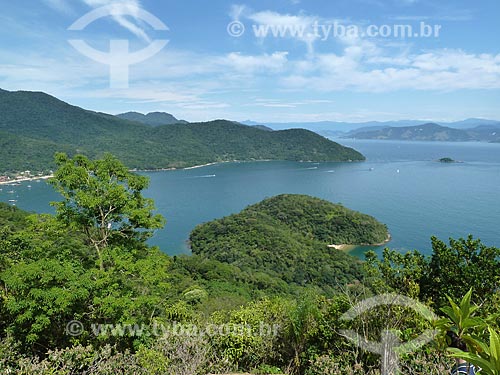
[13,178]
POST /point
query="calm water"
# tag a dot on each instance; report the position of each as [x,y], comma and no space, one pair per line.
[400,184]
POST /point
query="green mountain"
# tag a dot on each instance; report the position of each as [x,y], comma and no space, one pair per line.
[33,125]
[286,238]
[430,132]
[152,119]
[263,127]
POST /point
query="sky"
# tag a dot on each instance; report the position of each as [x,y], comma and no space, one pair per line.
[266,61]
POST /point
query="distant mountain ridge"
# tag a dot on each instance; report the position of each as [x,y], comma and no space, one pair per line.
[336,128]
[152,118]
[35,125]
[431,132]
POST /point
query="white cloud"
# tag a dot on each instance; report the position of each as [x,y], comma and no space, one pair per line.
[218,84]
[296,26]
[236,11]
[439,70]
[275,62]
[59,5]
[130,7]
[146,95]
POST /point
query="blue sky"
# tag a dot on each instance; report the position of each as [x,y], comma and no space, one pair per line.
[306,73]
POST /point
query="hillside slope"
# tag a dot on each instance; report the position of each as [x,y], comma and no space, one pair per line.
[36,125]
[430,132]
[152,119]
[287,237]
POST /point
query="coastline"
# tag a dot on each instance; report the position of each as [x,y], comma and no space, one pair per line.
[348,247]
[204,165]
[24,179]
[228,161]
[343,247]
[386,241]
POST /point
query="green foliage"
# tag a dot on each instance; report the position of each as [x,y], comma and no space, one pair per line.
[450,271]
[461,320]
[321,220]
[33,126]
[40,298]
[76,360]
[488,359]
[303,321]
[103,200]
[396,272]
[11,217]
[464,264]
[284,240]
[262,282]
[48,274]
[251,335]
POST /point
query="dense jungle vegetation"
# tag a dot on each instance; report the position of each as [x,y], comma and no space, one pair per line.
[81,292]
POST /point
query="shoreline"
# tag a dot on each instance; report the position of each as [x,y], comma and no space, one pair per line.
[198,166]
[233,161]
[386,241]
[204,165]
[348,247]
[24,179]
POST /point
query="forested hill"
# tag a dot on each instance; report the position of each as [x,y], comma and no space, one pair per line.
[322,220]
[431,132]
[34,125]
[152,119]
[286,238]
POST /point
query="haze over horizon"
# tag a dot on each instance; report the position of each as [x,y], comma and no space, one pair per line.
[208,71]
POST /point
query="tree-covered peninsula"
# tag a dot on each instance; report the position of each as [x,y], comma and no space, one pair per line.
[289,237]
[34,125]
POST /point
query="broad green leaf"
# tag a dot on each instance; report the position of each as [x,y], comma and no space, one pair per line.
[465,304]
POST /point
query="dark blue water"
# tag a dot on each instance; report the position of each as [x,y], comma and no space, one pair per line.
[401,184]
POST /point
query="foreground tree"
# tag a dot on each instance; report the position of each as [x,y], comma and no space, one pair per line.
[90,263]
[103,200]
[464,264]
[450,271]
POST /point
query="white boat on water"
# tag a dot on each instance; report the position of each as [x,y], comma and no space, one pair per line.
[12,201]
[11,192]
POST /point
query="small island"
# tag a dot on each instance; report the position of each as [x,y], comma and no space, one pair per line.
[289,239]
[448,160]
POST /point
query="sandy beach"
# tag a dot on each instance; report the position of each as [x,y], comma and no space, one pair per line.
[202,165]
[345,247]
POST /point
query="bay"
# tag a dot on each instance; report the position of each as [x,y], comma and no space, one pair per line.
[400,184]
